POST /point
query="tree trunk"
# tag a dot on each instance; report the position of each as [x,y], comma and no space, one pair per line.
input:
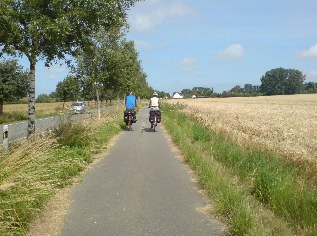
[1,108]
[31,114]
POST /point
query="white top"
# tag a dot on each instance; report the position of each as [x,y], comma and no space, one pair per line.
[154,102]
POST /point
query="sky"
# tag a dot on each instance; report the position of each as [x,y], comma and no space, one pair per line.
[215,43]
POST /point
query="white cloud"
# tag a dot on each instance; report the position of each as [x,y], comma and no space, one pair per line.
[233,51]
[188,64]
[311,52]
[155,12]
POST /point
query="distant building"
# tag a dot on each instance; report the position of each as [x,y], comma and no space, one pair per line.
[194,96]
[177,95]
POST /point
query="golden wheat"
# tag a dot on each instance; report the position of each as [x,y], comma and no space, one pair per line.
[47,107]
[284,124]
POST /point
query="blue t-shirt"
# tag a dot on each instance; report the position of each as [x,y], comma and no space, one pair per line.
[130,101]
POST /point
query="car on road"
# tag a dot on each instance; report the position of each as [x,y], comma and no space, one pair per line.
[78,107]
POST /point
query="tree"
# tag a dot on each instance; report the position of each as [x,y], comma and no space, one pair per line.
[52,95]
[127,71]
[282,81]
[162,94]
[310,87]
[68,89]
[202,92]
[114,64]
[92,66]
[187,93]
[52,30]
[236,89]
[248,88]
[13,82]
[43,98]
[294,82]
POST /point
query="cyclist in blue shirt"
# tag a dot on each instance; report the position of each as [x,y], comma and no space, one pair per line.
[130,101]
[130,104]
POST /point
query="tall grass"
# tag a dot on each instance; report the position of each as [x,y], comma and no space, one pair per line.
[257,192]
[31,171]
[13,116]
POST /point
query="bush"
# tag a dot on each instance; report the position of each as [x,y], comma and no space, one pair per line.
[71,134]
[43,98]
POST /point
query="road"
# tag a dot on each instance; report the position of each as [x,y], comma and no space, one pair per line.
[140,188]
[18,130]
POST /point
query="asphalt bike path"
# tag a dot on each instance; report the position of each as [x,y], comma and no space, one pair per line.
[139,188]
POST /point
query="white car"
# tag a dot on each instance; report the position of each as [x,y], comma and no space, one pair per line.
[79,107]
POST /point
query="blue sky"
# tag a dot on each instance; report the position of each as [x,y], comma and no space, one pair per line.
[215,43]
[222,43]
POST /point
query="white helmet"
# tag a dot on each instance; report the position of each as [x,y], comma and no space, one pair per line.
[155,94]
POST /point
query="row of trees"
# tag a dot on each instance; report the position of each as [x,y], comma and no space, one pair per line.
[198,92]
[277,81]
[112,69]
[247,89]
[52,30]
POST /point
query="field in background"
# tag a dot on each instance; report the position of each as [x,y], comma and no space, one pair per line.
[283,124]
[18,112]
[40,107]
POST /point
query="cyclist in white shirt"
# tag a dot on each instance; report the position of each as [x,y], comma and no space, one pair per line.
[154,102]
[155,108]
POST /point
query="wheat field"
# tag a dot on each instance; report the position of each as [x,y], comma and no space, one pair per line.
[283,124]
[47,107]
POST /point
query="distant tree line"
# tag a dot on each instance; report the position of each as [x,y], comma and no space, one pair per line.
[162,94]
[198,92]
[277,81]
[112,69]
[120,72]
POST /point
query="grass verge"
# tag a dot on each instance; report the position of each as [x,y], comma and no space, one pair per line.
[31,171]
[256,192]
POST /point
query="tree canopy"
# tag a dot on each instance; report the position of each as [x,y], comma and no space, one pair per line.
[113,65]
[53,30]
[282,81]
[68,89]
[43,98]
[13,82]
